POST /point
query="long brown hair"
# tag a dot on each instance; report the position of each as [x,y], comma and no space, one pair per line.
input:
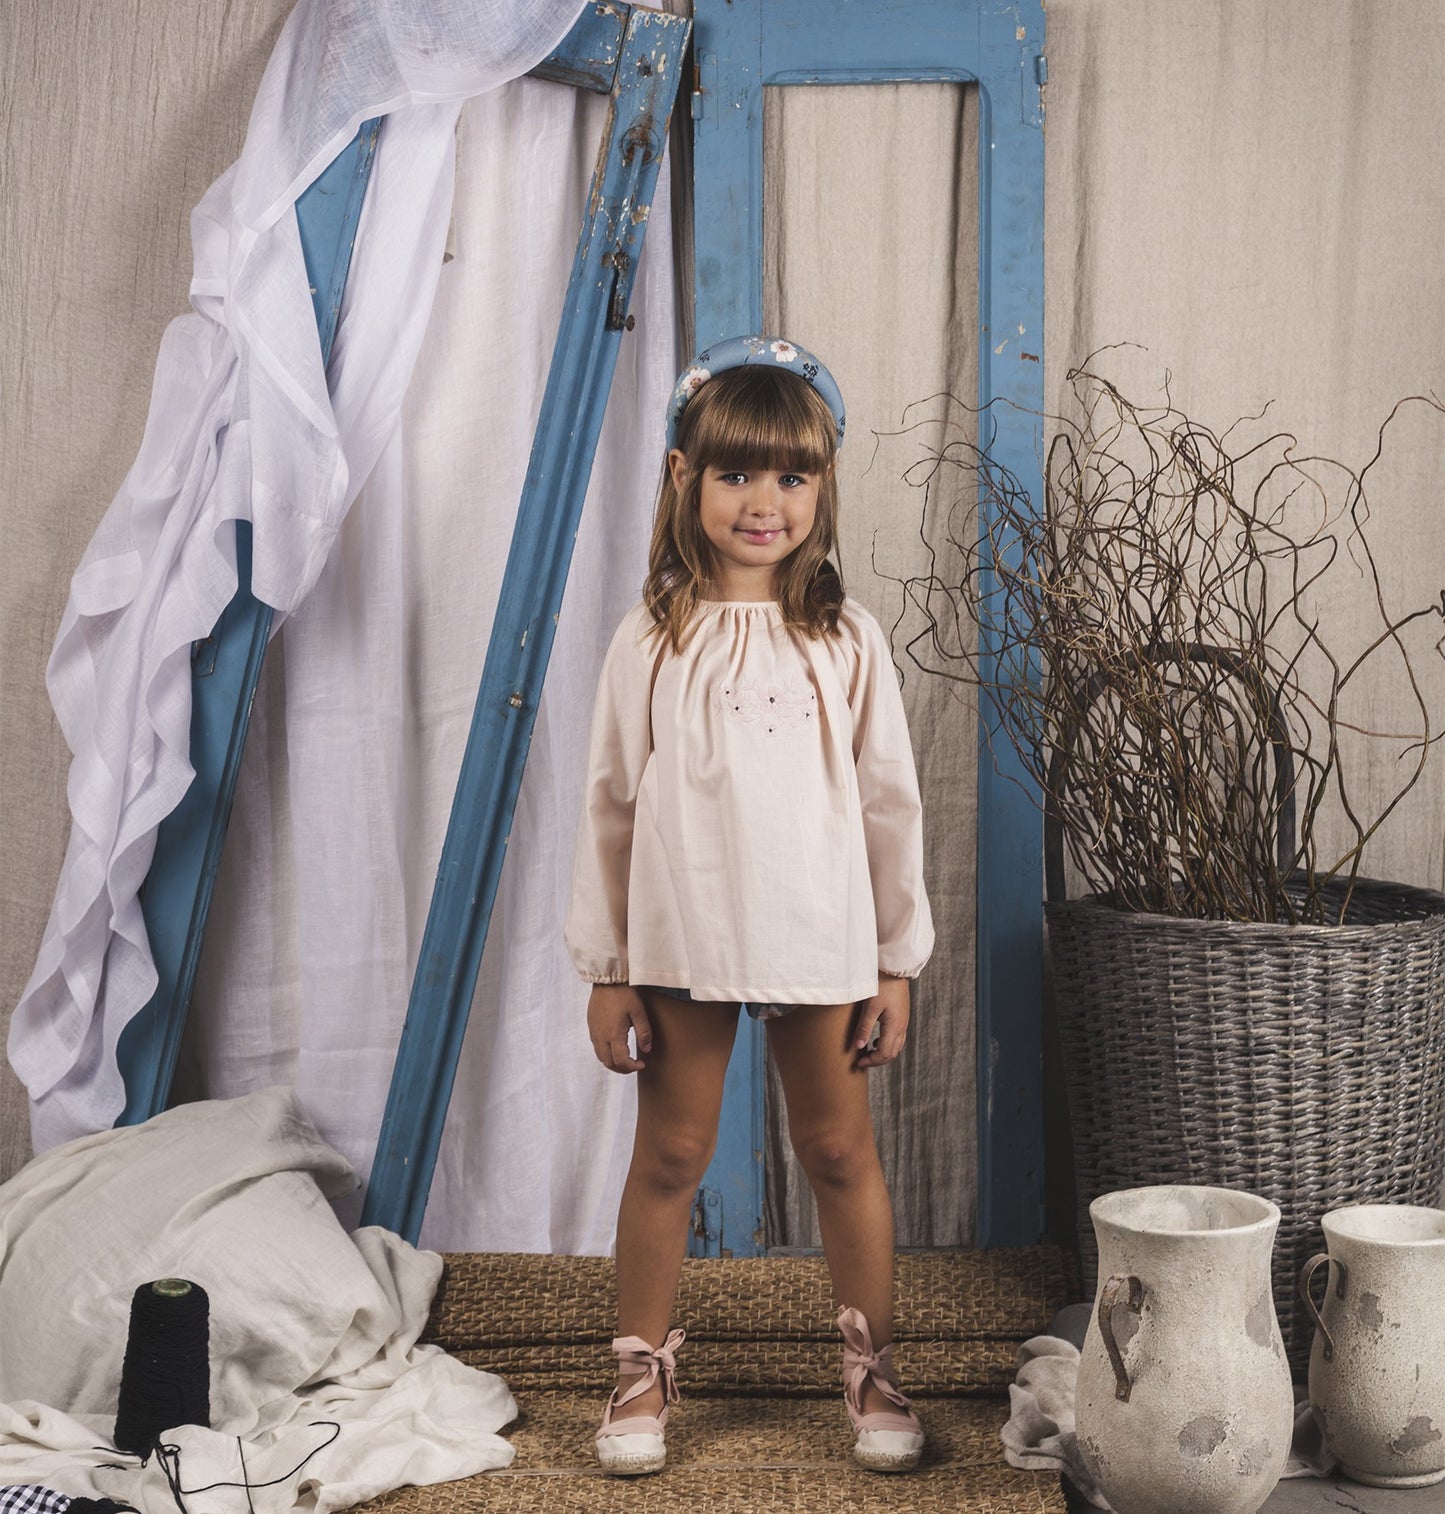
[748,418]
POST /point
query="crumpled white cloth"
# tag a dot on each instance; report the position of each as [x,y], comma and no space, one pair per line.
[242,427]
[306,1323]
[1039,1434]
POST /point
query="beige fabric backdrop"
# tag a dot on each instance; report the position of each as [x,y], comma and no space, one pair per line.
[1252,191]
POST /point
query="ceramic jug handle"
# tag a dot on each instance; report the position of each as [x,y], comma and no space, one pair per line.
[1109,1300]
[1307,1273]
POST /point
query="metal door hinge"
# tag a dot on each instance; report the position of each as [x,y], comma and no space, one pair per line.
[701,63]
[203,656]
[621,264]
[707,1223]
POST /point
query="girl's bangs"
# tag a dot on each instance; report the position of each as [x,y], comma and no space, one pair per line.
[762,419]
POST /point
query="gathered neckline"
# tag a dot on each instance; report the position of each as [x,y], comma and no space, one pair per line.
[743,604]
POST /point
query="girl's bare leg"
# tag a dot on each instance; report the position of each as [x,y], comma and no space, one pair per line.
[679,1097]
[832,1133]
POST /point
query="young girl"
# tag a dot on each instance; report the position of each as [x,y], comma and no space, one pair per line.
[751,834]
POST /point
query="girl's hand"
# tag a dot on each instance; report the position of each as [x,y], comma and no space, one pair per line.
[613,1009]
[888,1009]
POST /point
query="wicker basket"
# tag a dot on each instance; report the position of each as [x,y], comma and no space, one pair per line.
[1303,1063]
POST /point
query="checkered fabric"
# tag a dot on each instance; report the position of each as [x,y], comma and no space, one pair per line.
[32,1500]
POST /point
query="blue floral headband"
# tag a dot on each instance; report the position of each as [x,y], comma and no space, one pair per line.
[737,352]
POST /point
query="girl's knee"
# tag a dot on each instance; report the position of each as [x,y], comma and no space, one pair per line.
[672,1161]
[835,1157]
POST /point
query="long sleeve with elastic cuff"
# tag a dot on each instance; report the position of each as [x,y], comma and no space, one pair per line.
[618,751]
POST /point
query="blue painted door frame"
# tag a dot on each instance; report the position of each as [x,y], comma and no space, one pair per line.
[742,47]
[634,54]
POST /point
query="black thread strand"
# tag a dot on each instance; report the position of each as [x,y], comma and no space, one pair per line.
[168,1458]
[272,1482]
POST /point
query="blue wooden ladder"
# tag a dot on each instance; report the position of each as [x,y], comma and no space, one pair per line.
[633,54]
[647,74]
[743,46]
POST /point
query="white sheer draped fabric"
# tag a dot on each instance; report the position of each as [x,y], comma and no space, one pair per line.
[241,427]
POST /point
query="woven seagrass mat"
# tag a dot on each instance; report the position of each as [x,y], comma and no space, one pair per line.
[762,1426]
[755,1325]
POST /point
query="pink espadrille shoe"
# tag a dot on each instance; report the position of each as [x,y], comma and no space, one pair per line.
[887,1442]
[630,1447]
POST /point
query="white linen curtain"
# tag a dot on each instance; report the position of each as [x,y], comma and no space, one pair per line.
[363,715]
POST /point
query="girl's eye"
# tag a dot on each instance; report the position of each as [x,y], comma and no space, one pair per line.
[793,480]
[733,478]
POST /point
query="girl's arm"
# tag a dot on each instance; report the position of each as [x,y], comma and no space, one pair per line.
[621,742]
[892,811]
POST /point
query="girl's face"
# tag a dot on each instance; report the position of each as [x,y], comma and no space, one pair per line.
[754,518]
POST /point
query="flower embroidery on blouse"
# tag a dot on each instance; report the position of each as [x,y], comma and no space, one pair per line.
[776,705]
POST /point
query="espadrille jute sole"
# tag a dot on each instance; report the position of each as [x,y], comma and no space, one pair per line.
[631,1455]
[888,1450]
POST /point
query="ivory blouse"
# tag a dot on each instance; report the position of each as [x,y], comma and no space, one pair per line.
[751,827]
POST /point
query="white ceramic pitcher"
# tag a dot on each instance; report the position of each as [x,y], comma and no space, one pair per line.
[1377,1367]
[1184,1404]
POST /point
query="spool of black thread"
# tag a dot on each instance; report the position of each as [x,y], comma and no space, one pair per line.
[166,1377]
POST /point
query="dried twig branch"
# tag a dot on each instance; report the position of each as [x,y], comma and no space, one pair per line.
[1143,643]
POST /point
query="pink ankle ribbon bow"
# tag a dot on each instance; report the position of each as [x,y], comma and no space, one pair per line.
[633,1351]
[861,1361]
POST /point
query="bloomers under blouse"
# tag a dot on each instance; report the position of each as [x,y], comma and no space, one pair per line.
[751,827]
